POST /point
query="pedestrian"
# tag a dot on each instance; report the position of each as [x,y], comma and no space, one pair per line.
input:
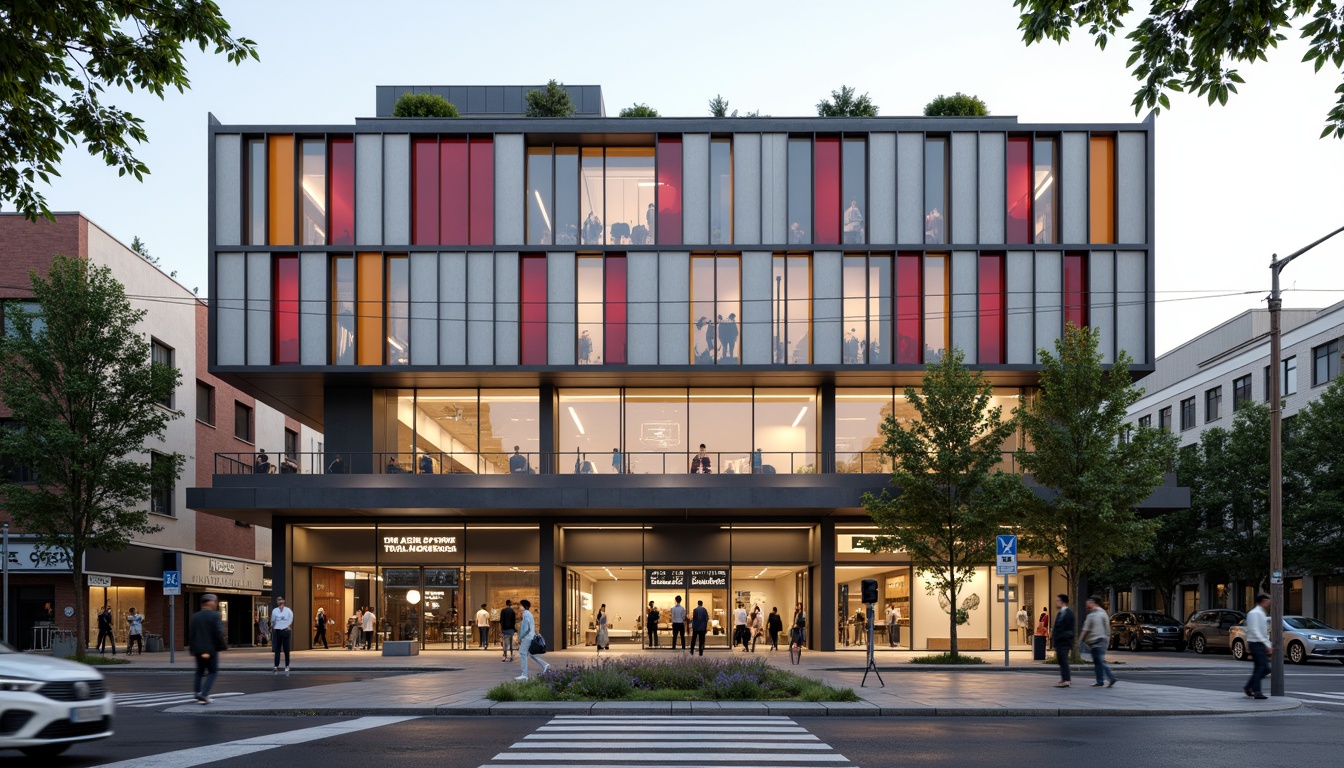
[891,625]
[321,623]
[756,624]
[508,626]
[1257,637]
[352,631]
[699,626]
[1062,640]
[483,626]
[207,642]
[740,634]
[798,632]
[774,624]
[282,628]
[860,628]
[105,635]
[137,624]
[1097,636]
[603,629]
[1023,619]
[678,623]
[527,629]
[366,626]
[651,624]
[1043,623]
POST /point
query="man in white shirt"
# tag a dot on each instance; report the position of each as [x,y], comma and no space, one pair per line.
[678,623]
[369,621]
[891,625]
[282,623]
[740,633]
[1257,638]
[483,626]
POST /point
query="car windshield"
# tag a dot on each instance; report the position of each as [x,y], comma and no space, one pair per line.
[1302,622]
[1156,618]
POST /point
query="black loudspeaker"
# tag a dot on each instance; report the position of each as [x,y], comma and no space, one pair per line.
[870,590]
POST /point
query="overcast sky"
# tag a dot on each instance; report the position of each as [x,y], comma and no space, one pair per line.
[1234,184]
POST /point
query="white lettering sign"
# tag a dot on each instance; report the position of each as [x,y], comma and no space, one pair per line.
[100,581]
[419,544]
[223,566]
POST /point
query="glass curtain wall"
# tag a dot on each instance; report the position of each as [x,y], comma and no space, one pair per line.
[630,187]
[909,309]
[1045,193]
[341,192]
[313,188]
[937,220]
[854,193]
[720,191]
[343,310]
[826,211]
[591,197]
[792,309]
[398,311]
[566,196]
[867,309]
[540,196]
[668,221]
[589,289]
[488,431]
[716,306]
[937,306]
[800,191]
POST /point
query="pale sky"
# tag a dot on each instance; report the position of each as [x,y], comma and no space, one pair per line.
[1234,184]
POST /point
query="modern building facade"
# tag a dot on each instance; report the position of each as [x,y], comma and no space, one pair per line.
[596,361]
[1202,383]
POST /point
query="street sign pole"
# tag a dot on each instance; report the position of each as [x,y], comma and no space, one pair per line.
[172,629]
[1005,621]
[1005,563]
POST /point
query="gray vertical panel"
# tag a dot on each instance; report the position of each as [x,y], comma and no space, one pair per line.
[992,190]
[882,188]
[965,301]
[480,308]
[1049,298]
[757,270]
[509,189]
[368,189]
[965,169]
[313,309]
[1073,187]
[827,312]
[452,309]
[1131,297]
[774,188]
[258,309]
[230,292]
[424,308]
[910,188]
[1131,170]
[506,309]
[228,189]
[747,188]
[1101,300]
[695,188]
[397,189]
[561,309]
[674,308]
[641,295]
[1021,271]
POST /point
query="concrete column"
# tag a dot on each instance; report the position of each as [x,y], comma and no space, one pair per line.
[546,463]
[826,445]
[552,586]
[822,621]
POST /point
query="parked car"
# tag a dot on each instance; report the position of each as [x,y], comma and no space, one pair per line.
[1305,638]
[50,704]
[1210,630]
[1137,630]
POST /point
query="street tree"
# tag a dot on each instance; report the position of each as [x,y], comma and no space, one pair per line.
[843,103]
[423,105]
[1195,47]
[638,110]
[956,105]
[1314,477]
[948,498]
[60,60]
[553,101]
[1095,469]
[79,379]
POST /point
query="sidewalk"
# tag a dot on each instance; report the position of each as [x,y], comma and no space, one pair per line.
[455,683]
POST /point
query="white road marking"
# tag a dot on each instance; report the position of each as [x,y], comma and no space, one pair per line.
[164,699]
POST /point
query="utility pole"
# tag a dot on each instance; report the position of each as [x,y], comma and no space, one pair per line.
[1276,265]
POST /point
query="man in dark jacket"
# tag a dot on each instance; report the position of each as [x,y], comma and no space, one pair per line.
[508,627]
[105,635]
[207,642]
[1062,639]
[699,626]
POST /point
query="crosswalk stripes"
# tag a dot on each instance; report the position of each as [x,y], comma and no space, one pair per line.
[1322,697]
[580,741]
[161,698]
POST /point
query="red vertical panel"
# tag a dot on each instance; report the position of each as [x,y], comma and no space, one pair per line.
[826,185]
[341,191]
[285,350]
[1075,289]
[1019,190]
[613,320]
[992,302]
[425,192]
[452,192]
[482,191]
[532,330]
[909,309]
[669,191]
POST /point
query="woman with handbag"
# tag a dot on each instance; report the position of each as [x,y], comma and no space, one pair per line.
[527,632]
[603,636]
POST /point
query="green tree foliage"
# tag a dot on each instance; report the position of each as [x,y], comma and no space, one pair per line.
[423,105]
[949,499]
[1314,468]
[843,103]
[1194,46]
[1083,450]
[80,381]
[956,105]
[718,107]
[552,102]
[638,110]
[60,60]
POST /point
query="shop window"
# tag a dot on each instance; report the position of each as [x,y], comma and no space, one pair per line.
[1075,289]
[532,297]
[242,421]
[161,496]
[668,229]
[909,309]
[716,306]
[1101,189]
[854,196]
[313,192]
[341,191]
[826,175]
[937,307]
[343,310]
[1325,363]
[937,217]
[205,403]
[991,287]
[800,191]
[867,309]
[162,354]
[720,191]
[1213,404]
[792,310]
[1241,392]
[285,306]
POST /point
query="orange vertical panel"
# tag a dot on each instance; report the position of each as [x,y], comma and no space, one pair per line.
[369,315]
[1101,189]
[280,196]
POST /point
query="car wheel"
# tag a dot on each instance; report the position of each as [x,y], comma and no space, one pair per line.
[1133,643]
[1297,653]
[1238,650]
[1200,644]
[46,750]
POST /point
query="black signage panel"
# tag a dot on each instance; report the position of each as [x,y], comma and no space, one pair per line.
[665,578]
[713,578]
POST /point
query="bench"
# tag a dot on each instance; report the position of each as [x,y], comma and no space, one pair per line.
[963,644]
[401,648]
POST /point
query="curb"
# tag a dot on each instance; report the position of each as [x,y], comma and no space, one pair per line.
[188,669]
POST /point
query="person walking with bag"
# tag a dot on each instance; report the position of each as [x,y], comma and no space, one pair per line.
[1062,640]
[207,642]
[1097,635]
[527,632]
[1257,637]
[321,624]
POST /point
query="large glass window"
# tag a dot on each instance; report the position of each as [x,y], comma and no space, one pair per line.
[826,211]
[937,309]
[591,197]
[446,422]
[589,432]
[1241,392]
[469,431]
[785,425]
[716,305]
[991,310]
[909,309]
[589,289]
[630,195]
[1075,289]
[532,295]
[425,190]
[1101,189]
[859,414]
[285,349]
[341,192]
[800,191]
[508,418]
[313,188]
[482,173]
[1019,189]
[256,192]
[854,196]
[398,311]
[1044,192]
[566,196]
[863,305]
[453,181]
[540,207]
[1325,363]
[668,229]
[792,315]
[280,189]
[721,191]
[343,310]
[655,431]
[937,221]
[720,420]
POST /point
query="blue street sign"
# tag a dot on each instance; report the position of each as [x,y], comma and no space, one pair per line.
[172,582]
[1007,544]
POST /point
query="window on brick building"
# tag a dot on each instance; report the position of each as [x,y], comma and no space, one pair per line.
[242,421]
[205,403]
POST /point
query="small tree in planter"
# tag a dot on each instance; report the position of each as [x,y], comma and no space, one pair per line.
[423,105]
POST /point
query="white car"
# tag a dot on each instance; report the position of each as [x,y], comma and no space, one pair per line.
[48,704]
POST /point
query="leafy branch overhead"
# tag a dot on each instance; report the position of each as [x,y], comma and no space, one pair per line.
[1194,46]
[60,59]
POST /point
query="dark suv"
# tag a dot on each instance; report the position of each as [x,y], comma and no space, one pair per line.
[1136,630]
[1208,630]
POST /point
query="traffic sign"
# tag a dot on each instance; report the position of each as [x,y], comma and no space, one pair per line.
[172,583]
[1005,559]
[1007,544]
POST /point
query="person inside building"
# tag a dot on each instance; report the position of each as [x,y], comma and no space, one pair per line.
[262,464]
[517,463]
[393,468]
[426,464]
[700,464]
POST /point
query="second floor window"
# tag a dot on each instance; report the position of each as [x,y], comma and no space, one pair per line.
[162,354]
[1213,404]
[1325,363]
[242,422]
[291,445]
[1188,413]
[1287,378]
[205,403]
[161,497]
[1145,421]
[1241,392]
[1164,419]
[716,310]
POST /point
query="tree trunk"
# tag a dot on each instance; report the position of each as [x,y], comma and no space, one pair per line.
[81,615]
[952,621]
